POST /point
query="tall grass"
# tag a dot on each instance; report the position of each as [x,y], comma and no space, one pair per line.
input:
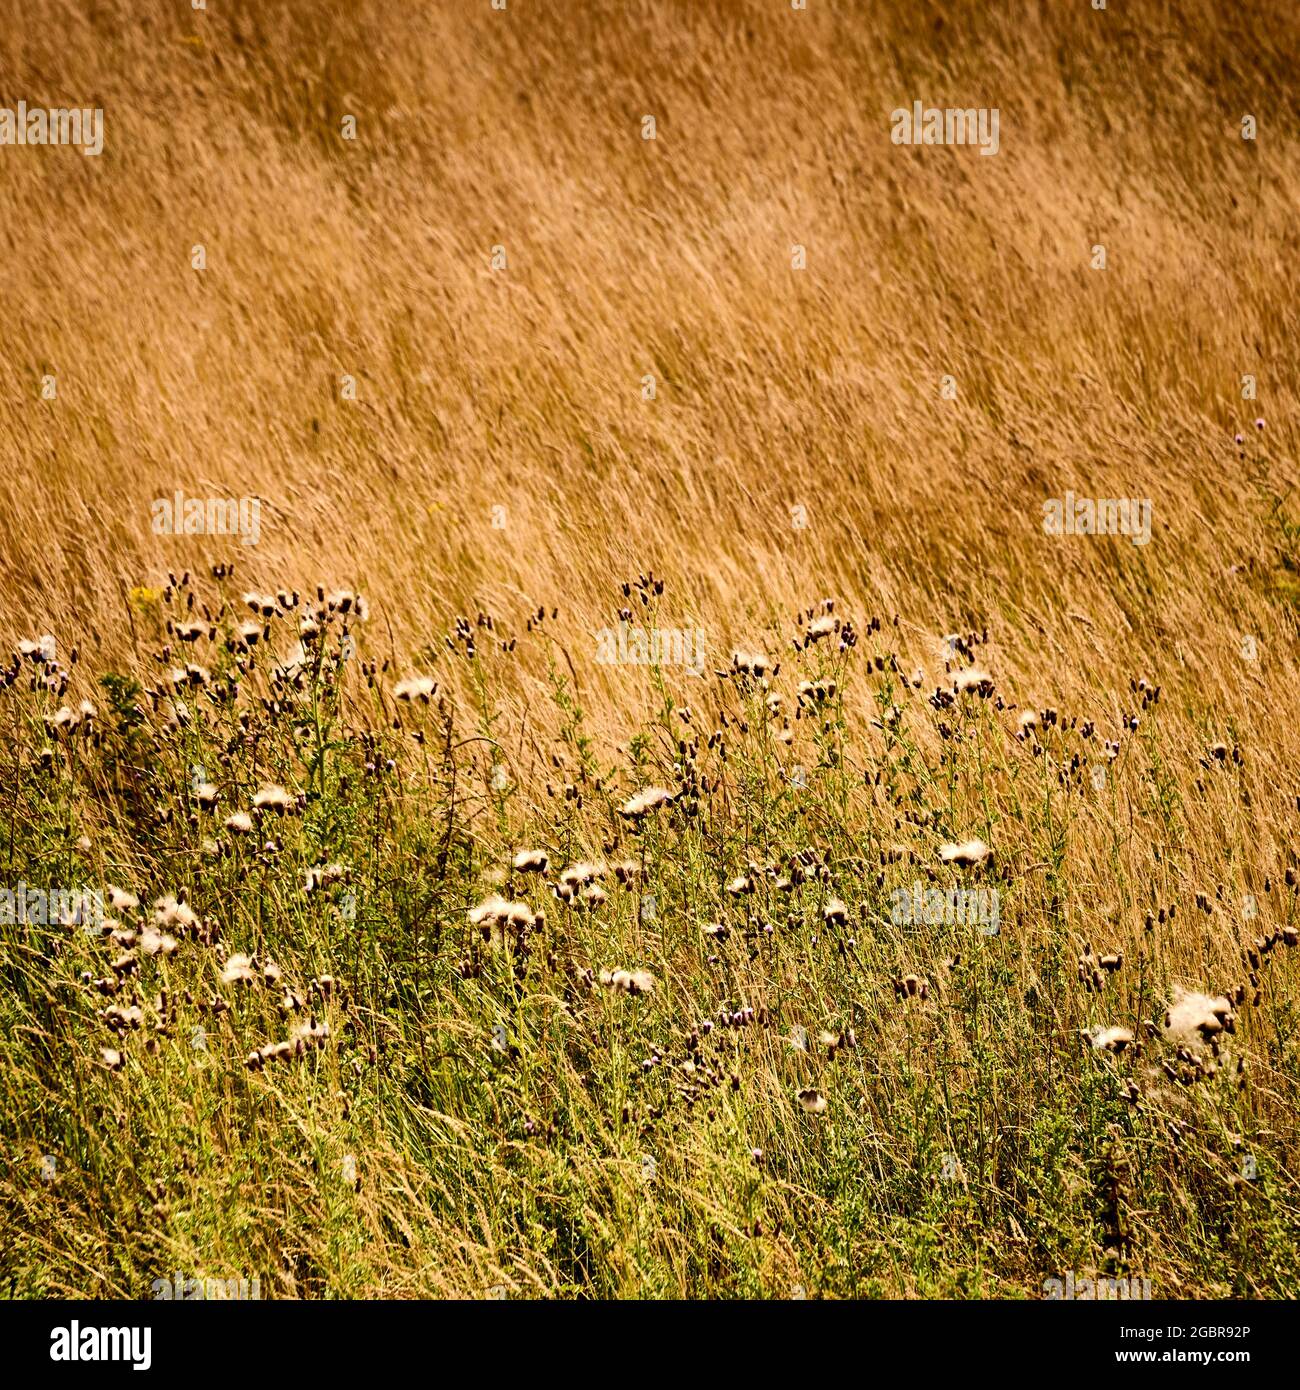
[800,1089]
[809,1100]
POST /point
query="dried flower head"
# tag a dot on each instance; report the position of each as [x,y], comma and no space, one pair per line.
[645,801]
[628,981]
[1196,1018]
[40,651]
[154,942]
[750,664]
[967,853]
[274,798]
[972,681]
[812,1101]
[122,901]
[816,692]
[415,688]
[824,626]
[239,971]
[497,919]
[168,912]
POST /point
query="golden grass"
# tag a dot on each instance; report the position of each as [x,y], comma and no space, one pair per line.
[776,389]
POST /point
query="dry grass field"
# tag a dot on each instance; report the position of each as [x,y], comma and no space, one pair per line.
[768,383]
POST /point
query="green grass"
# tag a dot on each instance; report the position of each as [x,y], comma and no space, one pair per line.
[485,1120]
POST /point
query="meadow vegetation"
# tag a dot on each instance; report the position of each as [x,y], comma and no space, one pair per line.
[443,955]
